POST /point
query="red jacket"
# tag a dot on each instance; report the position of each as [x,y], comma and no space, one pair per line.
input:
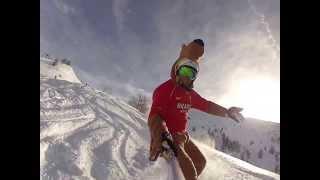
[172,102]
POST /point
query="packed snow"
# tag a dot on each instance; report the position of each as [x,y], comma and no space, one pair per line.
[89,134]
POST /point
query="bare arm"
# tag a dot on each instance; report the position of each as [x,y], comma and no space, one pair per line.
[217,110]
[233,112]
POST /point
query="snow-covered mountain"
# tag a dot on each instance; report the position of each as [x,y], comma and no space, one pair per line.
[56,69]
[254,141]
[88,134]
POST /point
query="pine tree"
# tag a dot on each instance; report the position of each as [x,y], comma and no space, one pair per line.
[260,154]
[140,102]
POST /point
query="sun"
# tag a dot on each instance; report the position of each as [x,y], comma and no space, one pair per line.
[260,98]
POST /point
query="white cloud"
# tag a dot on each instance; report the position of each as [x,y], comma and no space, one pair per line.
[64,8]
[119,9]
[266,25]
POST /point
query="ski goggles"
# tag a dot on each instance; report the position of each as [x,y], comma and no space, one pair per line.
[187,71]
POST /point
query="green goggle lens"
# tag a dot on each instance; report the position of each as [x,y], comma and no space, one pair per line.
[187,72]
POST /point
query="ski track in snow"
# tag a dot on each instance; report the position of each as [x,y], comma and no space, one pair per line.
[86,134]
[97,155]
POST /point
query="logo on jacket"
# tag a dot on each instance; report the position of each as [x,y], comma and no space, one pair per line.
[183,107]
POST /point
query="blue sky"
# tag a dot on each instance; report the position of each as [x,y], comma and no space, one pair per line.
[130,46]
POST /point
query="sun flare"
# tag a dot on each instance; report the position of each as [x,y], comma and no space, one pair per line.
[260,98]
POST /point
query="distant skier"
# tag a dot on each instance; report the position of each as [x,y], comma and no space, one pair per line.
[171,102]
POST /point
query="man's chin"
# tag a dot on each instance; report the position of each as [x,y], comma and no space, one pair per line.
[188,88]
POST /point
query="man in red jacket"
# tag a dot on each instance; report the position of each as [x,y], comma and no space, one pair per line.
[171,102]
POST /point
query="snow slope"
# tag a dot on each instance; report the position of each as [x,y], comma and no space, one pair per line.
[255,141]
[88,134]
